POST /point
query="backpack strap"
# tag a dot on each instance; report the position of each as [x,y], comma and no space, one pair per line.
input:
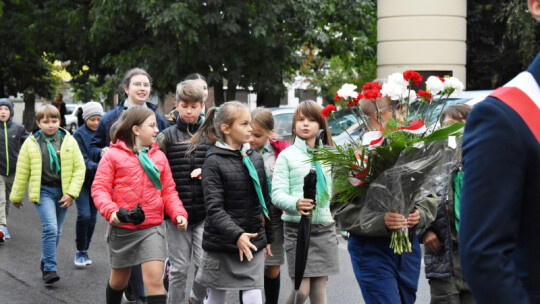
[524,106]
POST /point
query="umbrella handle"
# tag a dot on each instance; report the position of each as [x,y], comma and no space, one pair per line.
[321,136]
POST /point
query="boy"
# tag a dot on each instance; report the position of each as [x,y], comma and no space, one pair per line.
[51,162]
[12,136]
[186,167]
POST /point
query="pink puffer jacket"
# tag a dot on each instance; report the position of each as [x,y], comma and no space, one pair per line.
[121,182]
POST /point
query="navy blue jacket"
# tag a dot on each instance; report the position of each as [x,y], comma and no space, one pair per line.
[500,209]
[102,138]
[84,136]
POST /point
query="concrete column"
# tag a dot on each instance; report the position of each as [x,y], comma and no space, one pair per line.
[421,35]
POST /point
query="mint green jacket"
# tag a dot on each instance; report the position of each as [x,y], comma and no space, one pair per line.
[29,163]
[292,165]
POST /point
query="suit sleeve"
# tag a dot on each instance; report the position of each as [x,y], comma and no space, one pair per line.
[173,204]
[214,202]
[103,186]
[491,208]
[281,186]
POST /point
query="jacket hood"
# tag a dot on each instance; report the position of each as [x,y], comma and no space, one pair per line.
[6,102]
[188,127]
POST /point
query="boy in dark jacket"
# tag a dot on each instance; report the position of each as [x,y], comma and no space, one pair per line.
[12,136]
[186,168]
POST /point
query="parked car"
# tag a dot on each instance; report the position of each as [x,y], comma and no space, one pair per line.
[468,97]
[283,122]
[71,117]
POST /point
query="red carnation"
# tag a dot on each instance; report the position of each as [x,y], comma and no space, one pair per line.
[426,96]
[337,97]
[372,94]
[440,78]
[328,110]
[413,76]
[371,85]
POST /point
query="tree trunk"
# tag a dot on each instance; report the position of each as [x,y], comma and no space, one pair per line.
[29,114]
[219,95]
[231,91]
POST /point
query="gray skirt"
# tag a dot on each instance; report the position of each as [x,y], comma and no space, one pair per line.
[224,271]
[278,252]
[131,247]
[323,257]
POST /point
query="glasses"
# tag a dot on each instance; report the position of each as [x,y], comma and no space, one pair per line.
[145,85]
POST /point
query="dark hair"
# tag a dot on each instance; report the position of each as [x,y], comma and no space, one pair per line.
[311,109]
[123,128]
[458,112]
[211,128]
[195,76]
[134,72]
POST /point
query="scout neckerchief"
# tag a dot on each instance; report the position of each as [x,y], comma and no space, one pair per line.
[458,181]
[149,167]
[253,174]
[53,157]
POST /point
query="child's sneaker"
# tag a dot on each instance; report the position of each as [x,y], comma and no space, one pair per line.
[50,277]
[79,259]
[7,235]
[87,260]
[2,234]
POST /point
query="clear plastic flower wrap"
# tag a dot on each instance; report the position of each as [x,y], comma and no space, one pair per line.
[420,170]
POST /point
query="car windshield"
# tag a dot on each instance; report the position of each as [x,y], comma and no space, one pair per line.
[345,117]
[436,106]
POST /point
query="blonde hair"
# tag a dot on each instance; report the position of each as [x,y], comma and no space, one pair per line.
[189,91]
[264,119]
[47,111]
[311,109]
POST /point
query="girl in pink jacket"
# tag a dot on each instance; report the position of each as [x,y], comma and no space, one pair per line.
[135,172]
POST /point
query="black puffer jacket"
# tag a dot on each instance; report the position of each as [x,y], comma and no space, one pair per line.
[189,189]
[10,146]
[232,205]
[440,265]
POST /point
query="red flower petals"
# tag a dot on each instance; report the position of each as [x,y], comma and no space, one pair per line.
[327,110]
[415,76]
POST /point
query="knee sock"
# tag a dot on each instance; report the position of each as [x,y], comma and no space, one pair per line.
[156,299]
[113,296]
[271,289]
[216,296]
[252,296]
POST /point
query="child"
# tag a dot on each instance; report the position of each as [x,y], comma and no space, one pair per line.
[132,174]
[292,165]
[236,198]
[51,163]
[186,246]
[443,268]
[200,79]
[9,151]
[263,140]
[86,210]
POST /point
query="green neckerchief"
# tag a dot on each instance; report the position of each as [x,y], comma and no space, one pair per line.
[322,186]
[261,151]
[458,181]
[53,157]
[149,167]
[255,179]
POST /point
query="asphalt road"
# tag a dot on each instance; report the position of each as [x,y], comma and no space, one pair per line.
[21,283]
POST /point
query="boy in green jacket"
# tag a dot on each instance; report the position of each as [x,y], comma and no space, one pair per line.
[51,162]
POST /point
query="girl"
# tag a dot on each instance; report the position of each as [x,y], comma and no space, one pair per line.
[135,172]
[185,247]
[292,165]
[236,198]
[264,140]
[86,210]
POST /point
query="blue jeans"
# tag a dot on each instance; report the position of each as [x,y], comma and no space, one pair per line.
[383,276]
[52,219]
[86,219]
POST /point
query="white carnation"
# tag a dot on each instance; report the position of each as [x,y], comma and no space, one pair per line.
[412,96]
[347,91]
[394,86]
[434,85]
[454,83]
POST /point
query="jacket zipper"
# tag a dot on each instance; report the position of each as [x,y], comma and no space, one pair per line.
[192,161]
[7,150]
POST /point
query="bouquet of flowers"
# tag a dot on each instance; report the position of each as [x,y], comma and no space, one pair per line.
[394,167]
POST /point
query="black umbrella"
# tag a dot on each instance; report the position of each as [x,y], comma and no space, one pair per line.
[304,230]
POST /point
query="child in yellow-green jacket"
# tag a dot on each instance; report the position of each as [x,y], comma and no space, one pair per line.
[52,164]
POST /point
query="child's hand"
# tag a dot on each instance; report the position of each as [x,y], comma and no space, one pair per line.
[113,220]
[104,150]
[431,241]
[394,220]
[18,206]
[304,205]
[182,223]
[244,244]
[413,218]
[196,173]
[67,201]
[267,252]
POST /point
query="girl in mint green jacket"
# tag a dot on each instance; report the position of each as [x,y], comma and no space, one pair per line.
[292,165]
[52,164]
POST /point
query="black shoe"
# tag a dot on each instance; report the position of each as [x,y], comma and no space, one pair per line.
[50,277]
[129,297]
